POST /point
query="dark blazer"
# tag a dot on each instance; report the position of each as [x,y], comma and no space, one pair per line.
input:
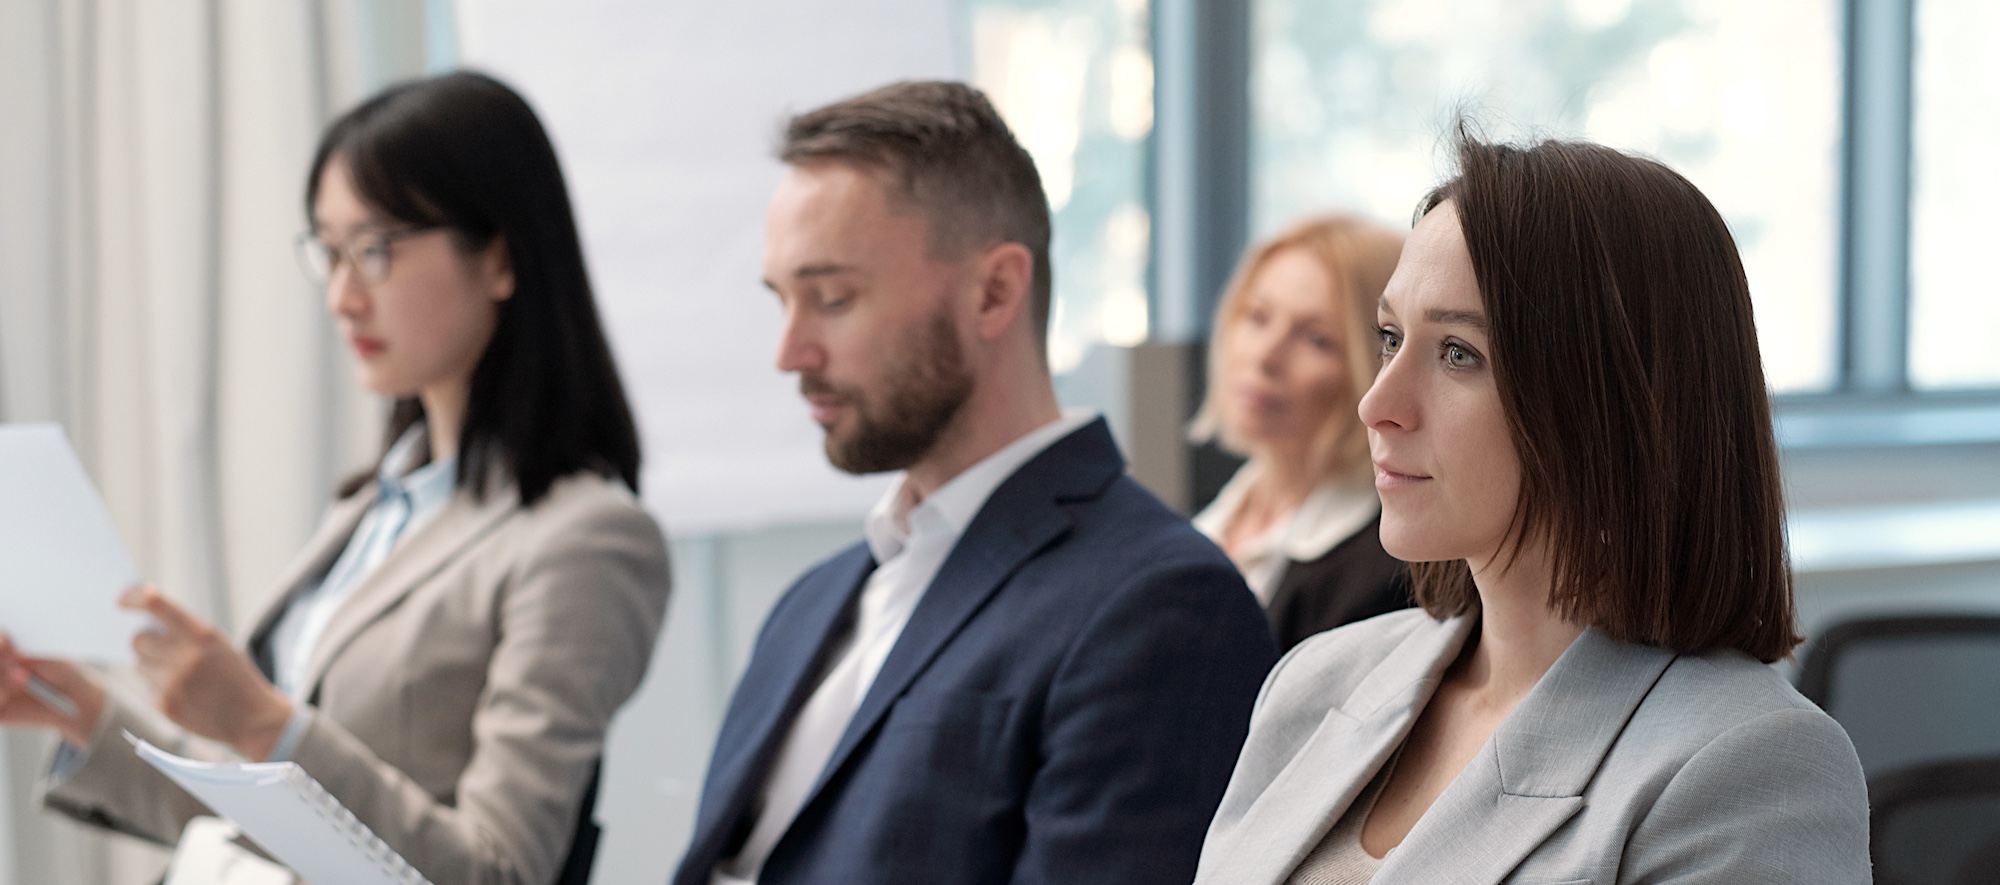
[1354,581]
[1065,704]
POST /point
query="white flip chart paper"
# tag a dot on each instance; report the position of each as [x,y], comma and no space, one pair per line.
[62,564]
[290,815]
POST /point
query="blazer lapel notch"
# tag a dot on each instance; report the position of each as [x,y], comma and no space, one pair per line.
[1554,741]
[1530,778]
[1353,741]
[984,559]
[1476,833]
[1023,516]
[414,560]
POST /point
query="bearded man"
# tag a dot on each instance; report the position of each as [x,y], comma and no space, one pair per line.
[1031,671]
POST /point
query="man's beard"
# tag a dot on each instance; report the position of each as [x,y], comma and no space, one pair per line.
[924,389]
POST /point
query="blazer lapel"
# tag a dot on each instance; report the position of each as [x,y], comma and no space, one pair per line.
[1352,742]
[1530,777]
[312,562]
[1024,515]
[414,560]
[781,680]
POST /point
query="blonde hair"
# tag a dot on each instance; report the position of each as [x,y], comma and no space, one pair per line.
[1358,255]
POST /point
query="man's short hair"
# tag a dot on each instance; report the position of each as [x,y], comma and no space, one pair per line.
[947,153]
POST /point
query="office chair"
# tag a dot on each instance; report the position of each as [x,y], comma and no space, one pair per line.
[1920,698]
[1936,824]
[583,846]
[1909,690]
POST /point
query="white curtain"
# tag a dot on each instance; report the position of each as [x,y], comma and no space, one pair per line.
[152,155]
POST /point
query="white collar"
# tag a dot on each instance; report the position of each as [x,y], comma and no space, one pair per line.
[426,483]
[952,507]
[1331,513]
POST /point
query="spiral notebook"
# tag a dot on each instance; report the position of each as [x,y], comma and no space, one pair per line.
[290,815]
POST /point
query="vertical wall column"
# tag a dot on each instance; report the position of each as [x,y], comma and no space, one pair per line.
[1876,233]
[1200,187]
[1200,174]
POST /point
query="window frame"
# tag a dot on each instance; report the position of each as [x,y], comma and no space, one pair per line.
[1200,171]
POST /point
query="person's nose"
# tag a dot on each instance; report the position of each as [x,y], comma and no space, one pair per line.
[346,297]
[1391,402]
[1268,349]
[799,348]
[1253,347]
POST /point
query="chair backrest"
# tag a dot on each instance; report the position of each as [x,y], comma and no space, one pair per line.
[1936,824]
[583,846]
[1920,697]
[1910,690]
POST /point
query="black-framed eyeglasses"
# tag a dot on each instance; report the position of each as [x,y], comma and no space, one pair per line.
[368,254]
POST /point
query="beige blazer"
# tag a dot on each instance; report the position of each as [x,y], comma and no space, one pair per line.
[460,696]
[1624,764]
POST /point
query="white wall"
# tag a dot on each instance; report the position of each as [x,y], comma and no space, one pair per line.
[666,115]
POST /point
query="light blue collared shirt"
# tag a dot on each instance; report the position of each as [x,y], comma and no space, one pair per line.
[407,497]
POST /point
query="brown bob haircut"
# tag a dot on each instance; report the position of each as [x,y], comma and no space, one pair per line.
[946,153]
[1626,360]
[1358,255]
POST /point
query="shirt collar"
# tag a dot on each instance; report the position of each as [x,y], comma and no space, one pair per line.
[950,510]
[1333,512]
[1330,514]
[424,484]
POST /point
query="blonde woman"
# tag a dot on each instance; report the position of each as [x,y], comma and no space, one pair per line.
[1293,351]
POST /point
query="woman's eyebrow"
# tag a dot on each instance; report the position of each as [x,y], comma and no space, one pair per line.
[1469,318]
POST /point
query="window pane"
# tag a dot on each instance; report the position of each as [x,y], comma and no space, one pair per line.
[1352,98]
[1074,78]
[1954,305]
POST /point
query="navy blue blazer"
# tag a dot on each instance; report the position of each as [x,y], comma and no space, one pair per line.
[1065,705]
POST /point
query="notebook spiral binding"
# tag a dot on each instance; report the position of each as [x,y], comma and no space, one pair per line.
[386,859]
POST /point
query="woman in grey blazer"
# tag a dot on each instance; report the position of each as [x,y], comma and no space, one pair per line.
[447,652]
[1573,443]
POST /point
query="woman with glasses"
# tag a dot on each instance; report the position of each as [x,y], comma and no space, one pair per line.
[447,652]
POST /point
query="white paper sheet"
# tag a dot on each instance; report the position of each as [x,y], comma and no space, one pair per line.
[289,815]
[62,564]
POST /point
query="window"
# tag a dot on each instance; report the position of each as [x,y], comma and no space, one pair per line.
[1351,99]
[1954,305]
[1074,79]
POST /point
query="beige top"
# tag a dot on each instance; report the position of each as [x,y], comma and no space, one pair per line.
[1339,858]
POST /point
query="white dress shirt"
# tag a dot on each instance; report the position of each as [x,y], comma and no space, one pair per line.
[910,540]
[1330,514]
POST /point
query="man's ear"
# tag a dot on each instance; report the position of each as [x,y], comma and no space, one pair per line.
[498,265]
[1006,276]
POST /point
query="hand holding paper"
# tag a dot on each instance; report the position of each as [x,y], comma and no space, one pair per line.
[204,683]
[62,564]
[22,705]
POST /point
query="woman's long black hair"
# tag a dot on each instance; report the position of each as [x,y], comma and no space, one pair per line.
[464,151]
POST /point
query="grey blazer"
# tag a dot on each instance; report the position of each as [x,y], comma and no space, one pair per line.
[459,697]
[1624,764]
